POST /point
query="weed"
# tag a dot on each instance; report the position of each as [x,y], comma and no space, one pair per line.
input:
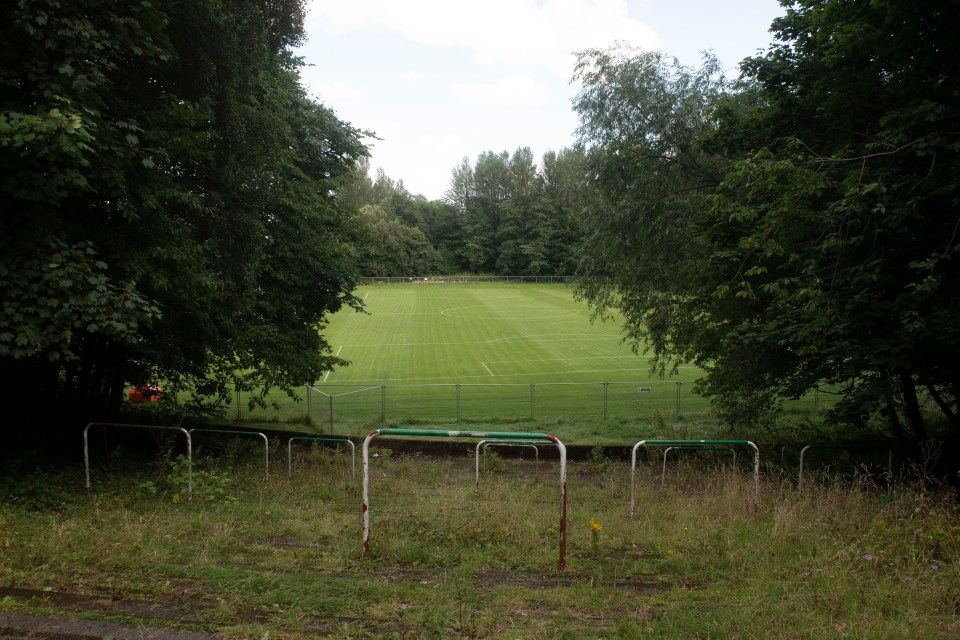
[202,485]
[595,529]
[599,459]
[438,620]
[658,421]
[36,490]
[492,463]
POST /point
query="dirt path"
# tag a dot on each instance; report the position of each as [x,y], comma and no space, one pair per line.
[17,625]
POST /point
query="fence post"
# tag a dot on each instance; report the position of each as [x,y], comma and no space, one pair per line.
[458,402]
[679,384]
[383,403]
[331,414]
[309,412]
[606,413]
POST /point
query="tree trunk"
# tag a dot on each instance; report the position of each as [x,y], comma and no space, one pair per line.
[912,406]
[895,424]
[944,407]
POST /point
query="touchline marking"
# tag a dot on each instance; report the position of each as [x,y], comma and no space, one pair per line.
[487,368]
[570,359]
[331,370]
[520,339]
[447,380]
[515,314]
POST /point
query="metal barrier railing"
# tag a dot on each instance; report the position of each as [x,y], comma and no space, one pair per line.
[663,474]
[86,448]
[436,433]
[482,450]
[633,461]
[828,445]
[353,451]
[266,443]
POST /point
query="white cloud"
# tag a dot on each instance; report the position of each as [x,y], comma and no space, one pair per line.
[336,93]
[424,162]
[439,80]
[513,90]
[516,33]
[413,76]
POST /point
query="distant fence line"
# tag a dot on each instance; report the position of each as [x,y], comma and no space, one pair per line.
[341,407]
[468,280]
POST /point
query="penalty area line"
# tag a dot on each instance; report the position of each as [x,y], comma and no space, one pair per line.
[336,355]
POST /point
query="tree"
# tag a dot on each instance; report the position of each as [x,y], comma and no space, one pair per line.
[169,199]
[560,219]
[394,248]
[462,186]
[794,229]
[642,116]
[846,206]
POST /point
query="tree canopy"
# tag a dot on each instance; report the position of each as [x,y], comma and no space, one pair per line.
[506,214]
[797,227]
[170,202]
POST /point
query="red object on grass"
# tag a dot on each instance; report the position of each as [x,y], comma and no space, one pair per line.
[145,393]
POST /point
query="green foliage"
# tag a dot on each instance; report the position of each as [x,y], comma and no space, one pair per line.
[642,117]
[208,485]
[842,206]
[33,489]
[504,215]
[57,297]
[599,459]
[170,199]
[794,229]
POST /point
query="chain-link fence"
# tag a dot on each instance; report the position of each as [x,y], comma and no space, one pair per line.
[469,280]
[339,407]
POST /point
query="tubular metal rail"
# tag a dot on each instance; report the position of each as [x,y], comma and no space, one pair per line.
[436,433]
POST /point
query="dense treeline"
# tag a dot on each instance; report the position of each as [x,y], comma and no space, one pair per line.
[169,203]
[505,215]
[795,227]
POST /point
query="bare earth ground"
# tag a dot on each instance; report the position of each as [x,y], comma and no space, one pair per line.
[156,613]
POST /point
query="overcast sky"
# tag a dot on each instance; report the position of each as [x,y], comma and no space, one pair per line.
[439,80]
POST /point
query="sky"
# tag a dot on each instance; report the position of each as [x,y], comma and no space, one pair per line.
[443,80]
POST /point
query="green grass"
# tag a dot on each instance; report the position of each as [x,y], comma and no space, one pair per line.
[281,559]
[487,352]
[480,334]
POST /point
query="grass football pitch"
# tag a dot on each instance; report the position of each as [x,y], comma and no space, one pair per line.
[488,351]
[479,334]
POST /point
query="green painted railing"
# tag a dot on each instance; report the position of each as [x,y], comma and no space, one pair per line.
[682,443]
[495,435]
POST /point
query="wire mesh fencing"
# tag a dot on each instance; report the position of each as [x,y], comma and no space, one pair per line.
[340,407]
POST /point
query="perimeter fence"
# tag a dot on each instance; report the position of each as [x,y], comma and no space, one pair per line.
[468,280]
[338,408]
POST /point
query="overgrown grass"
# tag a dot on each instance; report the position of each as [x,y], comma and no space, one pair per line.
[250,558]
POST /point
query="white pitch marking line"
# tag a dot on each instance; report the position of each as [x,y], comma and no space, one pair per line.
[329,372]
[487,368]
